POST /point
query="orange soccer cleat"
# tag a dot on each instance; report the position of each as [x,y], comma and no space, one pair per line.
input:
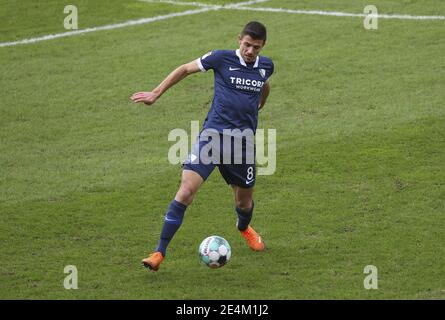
[253,239]
[153,261]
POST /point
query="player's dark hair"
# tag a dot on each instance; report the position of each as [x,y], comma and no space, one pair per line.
[256,30]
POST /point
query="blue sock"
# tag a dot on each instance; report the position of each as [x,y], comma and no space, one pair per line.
[172,222]
[244,218]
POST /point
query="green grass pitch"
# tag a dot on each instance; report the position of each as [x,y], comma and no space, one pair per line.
[360,179]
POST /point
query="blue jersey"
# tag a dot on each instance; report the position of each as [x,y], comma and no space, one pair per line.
[238,89]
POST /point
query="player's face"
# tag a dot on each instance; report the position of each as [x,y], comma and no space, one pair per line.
[250,48]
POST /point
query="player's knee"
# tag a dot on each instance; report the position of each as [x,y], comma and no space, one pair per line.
[244,204]
[185,195]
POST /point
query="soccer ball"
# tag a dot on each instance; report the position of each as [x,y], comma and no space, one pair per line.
[214,252]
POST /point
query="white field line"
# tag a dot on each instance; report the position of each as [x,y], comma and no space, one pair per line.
[129,23]
[343,14]
[181,3]
[247,3]
[201,4]
[205,8]
[240,6]
[107,27]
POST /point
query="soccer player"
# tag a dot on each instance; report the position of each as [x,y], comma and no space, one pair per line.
[241,89]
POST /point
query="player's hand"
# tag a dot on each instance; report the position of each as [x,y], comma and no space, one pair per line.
[146,97]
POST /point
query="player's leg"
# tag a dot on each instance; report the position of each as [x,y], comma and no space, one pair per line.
[194,173]
[242,179]
[190,184]
[244,206]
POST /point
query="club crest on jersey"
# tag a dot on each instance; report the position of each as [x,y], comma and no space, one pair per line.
[262,72]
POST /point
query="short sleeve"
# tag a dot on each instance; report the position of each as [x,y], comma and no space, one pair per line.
[272,69]
[210,60]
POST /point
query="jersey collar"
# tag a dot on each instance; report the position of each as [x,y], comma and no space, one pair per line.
[241,60]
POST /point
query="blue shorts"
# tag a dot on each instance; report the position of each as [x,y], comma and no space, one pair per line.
[234,157]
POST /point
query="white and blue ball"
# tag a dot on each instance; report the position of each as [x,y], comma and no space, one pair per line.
[214,252]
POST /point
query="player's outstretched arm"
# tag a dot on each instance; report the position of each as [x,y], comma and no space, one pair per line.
[174,77]
[264,95]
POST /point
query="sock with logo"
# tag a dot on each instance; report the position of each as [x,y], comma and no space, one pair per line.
[172,222]
[244,218]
